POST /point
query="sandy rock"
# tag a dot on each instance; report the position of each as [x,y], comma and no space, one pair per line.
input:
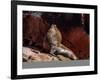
[32,55]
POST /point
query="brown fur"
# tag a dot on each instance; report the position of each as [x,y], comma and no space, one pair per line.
[55,38]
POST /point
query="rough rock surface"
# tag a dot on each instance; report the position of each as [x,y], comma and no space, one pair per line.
[32,55]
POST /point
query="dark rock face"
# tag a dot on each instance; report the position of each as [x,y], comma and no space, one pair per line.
[64,20]
[34,31]
[73,35]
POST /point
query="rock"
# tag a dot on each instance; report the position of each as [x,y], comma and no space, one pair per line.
[32,55]
[29,55]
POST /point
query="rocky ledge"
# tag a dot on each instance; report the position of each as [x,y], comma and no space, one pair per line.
[33,55]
